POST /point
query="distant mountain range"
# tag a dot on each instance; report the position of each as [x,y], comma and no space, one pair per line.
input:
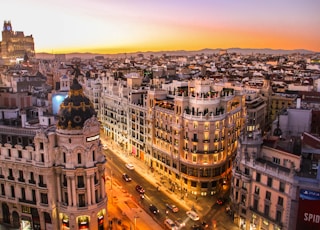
[182,53]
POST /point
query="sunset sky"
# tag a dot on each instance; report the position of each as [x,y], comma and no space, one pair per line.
[118,26]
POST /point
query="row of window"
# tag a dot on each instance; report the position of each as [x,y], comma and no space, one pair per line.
[79,158]
[194,184]
[9,154]
[80,181]
[33,200]
[266,210]
[268,195]
[21,177]
[270,182]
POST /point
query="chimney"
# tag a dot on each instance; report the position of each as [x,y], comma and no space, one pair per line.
[298,103]
[23,118]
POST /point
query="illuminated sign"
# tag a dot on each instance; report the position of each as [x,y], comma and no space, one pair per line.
[309,212]
[93,138]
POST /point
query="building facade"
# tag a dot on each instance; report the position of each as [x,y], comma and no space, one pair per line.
[275,181]
[186,131]
[193,134]
[52,175]
[263,189]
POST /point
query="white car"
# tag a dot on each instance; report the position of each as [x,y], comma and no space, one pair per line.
[170,224]
[193,215]
[130,166]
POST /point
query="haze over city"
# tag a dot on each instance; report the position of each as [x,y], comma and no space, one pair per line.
[117,26]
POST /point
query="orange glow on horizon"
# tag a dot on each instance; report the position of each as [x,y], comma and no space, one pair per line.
[110,27]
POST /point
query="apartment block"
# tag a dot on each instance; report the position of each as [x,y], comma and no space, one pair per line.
[263,193]
[275,182]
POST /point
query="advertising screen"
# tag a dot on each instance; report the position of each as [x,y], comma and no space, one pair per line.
[309,211]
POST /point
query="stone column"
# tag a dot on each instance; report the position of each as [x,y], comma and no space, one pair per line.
[93,190]
[89,189]
[41,218]
[102,184]
[69,191]
[74,193]
[59,187]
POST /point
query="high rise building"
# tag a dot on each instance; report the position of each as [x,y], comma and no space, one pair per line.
[15,46]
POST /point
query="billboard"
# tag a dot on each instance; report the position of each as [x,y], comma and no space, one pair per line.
[309,211]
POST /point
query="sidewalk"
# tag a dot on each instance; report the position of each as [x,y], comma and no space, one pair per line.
[123,211]
[4,227]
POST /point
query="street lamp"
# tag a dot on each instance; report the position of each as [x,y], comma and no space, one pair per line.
[111,179]
[181,192]
[135,221]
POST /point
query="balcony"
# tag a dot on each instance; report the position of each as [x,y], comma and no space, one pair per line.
[27,201]
[42,185]
[10,178]
[246,177]
[32,182]
[237,173]
[21,179]
[81,185]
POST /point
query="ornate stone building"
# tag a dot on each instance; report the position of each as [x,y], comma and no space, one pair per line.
[193,134]
[52,175]
[15,45]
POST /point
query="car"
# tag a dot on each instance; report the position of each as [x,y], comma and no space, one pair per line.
[221,200]
[140,189]
[204,224]
[153,209]
[170,224]
[193,215]
[130,166]
[180,223]
[126,177]
[172,207]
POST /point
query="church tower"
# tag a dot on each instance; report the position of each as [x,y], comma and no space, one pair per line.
[7,31]
[15,45]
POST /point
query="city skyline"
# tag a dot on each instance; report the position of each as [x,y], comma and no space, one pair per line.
[109,27]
